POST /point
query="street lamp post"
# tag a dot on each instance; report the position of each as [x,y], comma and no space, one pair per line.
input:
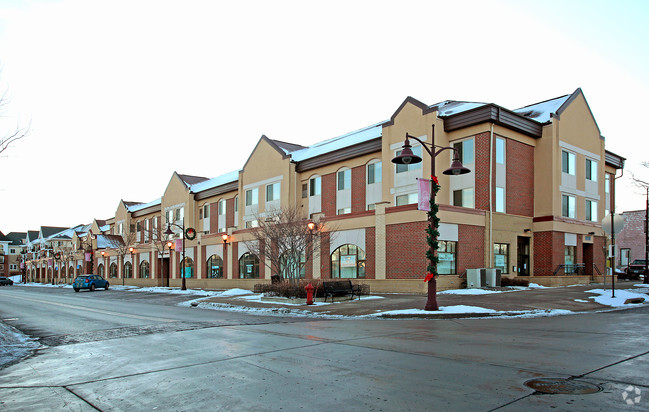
[184,263]
[131,251]
[170,245]
[407,157]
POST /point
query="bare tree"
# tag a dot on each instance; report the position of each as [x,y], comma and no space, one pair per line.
[125,248]
[286,242]
[159,240]
[17,134]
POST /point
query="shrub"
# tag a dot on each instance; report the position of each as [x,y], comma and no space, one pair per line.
[288,289]
[514,282]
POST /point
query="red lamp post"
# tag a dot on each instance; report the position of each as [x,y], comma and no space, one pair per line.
[408,157]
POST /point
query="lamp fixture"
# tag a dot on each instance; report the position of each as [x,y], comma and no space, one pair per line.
[225,239]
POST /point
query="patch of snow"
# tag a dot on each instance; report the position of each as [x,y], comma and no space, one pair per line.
[141,206]
[541,112]
[14,345]
[340,142]
[235,292]
[468,292]
[536,286]
[621,296]
[581,300]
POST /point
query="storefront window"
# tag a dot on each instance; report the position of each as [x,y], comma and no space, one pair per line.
[446,253]
[144,270]
[569,253]
[188,267]
[249,266]
[501,257]
[128,270]
[348,261]
[215,267]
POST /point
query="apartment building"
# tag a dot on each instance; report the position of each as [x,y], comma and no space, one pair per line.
[540,183]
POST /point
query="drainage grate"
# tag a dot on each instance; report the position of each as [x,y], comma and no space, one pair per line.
[562,386]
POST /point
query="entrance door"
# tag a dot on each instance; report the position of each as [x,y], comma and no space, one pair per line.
[523,256]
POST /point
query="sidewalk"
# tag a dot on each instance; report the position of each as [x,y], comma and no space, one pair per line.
[497,301]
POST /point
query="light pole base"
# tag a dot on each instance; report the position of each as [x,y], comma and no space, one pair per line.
[431,303]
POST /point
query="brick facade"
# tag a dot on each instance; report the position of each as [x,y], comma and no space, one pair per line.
[519,192]
[548,252]
[329,194]
[358,189]
[370,253]
[482,171]
[470,248]
[632,236]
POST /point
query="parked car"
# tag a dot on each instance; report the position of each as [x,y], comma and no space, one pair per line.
[90,282]
[635,269]
[5,281]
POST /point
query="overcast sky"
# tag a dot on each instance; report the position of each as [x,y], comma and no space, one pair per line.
[121,94]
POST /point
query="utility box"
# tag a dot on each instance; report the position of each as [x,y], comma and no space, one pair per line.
[492,277]
[475,278]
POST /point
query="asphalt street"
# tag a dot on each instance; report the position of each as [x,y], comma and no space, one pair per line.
[114,350]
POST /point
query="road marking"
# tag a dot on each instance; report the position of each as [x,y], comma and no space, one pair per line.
[105,312]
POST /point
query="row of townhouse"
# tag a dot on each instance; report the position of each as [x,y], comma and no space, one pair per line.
[541,181]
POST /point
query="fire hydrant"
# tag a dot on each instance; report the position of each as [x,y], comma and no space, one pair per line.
[309,294]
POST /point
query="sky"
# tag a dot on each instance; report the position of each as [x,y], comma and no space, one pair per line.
[120,94]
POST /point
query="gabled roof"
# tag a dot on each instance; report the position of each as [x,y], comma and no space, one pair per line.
[4,238]
[543,111]
[109,241]
[450,107]
[48,231]
[288,147]
[215,182]
[191,180]
[350,139]
[134,207]
[16,237]
[33,235]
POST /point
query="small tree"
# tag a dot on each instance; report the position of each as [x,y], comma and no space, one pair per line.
[125,248]
[286,242]
[159,241]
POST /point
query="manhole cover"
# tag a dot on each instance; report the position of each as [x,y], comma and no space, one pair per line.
[559,385]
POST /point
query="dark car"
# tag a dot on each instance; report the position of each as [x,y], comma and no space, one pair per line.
[635,269]
[5,281]
[90,282]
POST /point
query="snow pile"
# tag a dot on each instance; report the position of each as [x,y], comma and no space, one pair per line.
[605,297]
[468,292]
[14,345]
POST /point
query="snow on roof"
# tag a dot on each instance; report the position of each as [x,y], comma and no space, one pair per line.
[68,233]
[450,107]
[104,228]
[542,111]
[109,241]
[215,181]
[340,142]
[141,206]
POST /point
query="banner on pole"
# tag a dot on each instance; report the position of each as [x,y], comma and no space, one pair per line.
[179,245]
[424,195]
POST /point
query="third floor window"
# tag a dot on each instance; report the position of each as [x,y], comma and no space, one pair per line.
[591,170]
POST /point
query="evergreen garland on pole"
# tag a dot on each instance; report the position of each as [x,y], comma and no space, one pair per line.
[432,232]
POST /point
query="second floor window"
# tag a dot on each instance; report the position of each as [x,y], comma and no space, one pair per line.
[272,192]
[374,173]
[500,151]
[465,150]
[315,186]
[252,197]
[568,162]
[221,207]
[591,210]
[591,170]
[463,197]
[568,206]
[345,179]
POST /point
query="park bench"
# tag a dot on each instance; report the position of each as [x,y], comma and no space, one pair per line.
[341,288]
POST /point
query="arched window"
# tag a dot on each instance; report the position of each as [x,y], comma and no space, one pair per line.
[292,266]
[348,261]
[144,270]
[100,269]
[187,266]
[71,271]
[249,266]
[215,267]
[113,270]
[56,272]
[128,270]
